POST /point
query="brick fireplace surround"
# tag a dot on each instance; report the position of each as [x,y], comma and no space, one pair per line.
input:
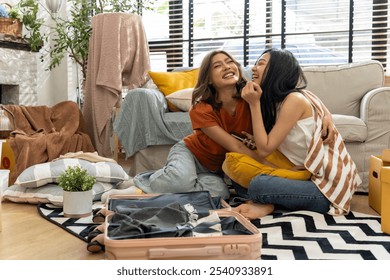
[18,76]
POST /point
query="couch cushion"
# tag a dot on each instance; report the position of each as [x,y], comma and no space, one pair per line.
[352,129]
[48,172]
[341,87]
[49,193]
[169,82]
[181,99]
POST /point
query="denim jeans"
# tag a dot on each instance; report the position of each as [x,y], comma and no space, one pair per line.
[285,193]
[182,173]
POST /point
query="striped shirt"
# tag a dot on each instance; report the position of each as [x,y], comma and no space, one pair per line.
[332,168]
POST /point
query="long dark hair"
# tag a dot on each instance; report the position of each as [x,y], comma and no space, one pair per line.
[206,92]
[282,76]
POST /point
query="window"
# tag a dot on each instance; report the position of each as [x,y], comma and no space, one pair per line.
[317,32]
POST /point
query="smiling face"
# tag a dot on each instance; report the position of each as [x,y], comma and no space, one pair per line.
[260,68]
[224,71]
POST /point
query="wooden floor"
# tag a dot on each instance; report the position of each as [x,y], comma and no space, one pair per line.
[26,235]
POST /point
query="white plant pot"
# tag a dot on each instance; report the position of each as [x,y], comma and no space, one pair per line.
[77,204]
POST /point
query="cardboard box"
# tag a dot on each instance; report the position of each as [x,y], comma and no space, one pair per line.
[385,201]
[7,157]
[374,182]
[386,155]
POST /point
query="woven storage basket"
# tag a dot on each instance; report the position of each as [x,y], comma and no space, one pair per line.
[10,26]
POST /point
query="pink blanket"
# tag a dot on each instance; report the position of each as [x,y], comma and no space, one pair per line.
[118,56]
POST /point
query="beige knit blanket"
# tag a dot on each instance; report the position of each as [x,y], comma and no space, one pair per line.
[118,56]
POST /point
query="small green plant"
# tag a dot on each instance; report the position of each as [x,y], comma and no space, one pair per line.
[15,13]
[76,179]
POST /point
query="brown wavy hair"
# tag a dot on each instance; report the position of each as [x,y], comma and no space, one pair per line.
[204,91]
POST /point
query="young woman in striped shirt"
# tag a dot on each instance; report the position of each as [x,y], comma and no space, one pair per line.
[287,117]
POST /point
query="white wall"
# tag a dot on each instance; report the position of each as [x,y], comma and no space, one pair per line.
[53,85]
[58,84]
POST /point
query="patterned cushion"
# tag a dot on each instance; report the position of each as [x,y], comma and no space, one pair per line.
[50,193]
[48,172]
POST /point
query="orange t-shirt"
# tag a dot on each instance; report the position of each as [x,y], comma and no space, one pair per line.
[207,151]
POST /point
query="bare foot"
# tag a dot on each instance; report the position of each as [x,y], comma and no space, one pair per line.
[254,211]
[130,190]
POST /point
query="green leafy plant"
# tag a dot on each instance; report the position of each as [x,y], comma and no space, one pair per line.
[70,36]
[76,179]
[29,17]
[15,13]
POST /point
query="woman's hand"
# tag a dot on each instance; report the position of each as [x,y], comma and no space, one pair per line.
[251,93]
[327,129]
[249,140]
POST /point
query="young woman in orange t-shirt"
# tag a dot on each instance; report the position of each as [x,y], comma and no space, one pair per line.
[194,164]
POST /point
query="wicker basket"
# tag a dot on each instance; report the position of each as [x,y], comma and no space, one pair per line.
[10,26]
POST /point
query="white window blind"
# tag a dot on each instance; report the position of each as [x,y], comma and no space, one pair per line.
[317,32]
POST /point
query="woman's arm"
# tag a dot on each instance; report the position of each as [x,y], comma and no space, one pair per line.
[294,107]
[229,143]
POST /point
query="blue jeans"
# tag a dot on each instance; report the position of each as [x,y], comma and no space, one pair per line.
[285,193]
[182,173]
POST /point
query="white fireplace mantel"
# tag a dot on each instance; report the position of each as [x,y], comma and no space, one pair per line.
[18,76]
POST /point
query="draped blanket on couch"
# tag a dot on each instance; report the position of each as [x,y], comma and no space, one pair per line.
[143,120]
[44,133]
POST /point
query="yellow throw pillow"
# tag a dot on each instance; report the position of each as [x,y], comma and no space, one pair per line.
[169,82]
[242,168]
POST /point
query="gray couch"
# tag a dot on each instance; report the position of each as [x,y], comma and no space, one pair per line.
[354,94]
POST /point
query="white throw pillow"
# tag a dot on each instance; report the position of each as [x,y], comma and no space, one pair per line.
[181,99]
[48,172]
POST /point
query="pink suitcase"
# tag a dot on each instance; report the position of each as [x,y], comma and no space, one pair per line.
[233,244]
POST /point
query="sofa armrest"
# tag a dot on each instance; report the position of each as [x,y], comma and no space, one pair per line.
[374,111]
[351,128]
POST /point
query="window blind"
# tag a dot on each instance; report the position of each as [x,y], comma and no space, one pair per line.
[180,33]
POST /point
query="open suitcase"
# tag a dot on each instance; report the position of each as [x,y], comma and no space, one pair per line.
[218,234]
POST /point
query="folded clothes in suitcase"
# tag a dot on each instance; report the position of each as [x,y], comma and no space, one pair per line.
[178,226]
[202,201]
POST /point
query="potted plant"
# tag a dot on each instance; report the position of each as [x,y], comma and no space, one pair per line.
[78,197]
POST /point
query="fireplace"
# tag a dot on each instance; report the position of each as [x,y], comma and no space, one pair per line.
[18,76]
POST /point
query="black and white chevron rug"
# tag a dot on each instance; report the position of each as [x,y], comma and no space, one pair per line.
[305,235]
[79,227]
[300,235]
